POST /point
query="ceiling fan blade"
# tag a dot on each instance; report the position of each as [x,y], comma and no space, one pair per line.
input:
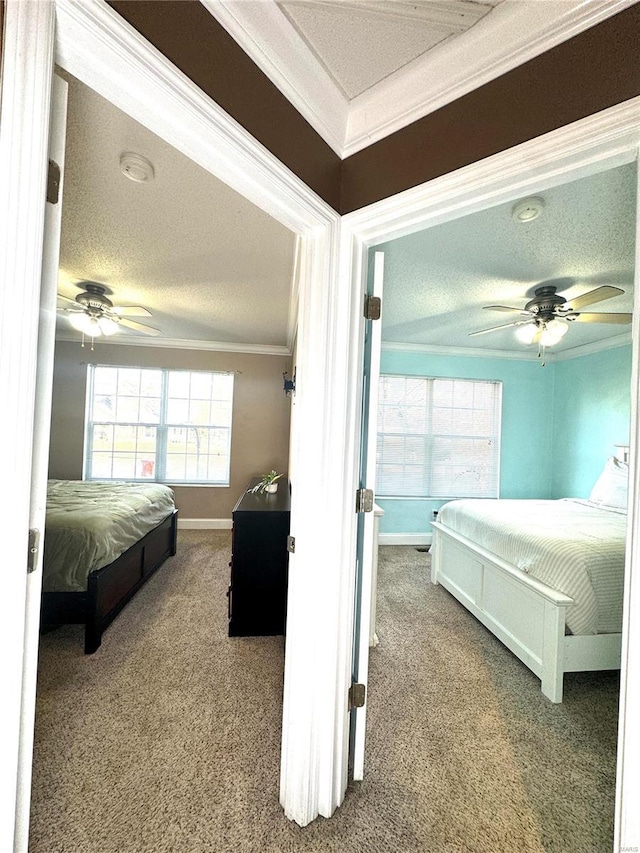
[131,311]
[495,328]
[62,298]
[603,318]
[138,327]
[504,308]
[593,296]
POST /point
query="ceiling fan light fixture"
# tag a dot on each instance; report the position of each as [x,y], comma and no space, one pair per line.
[553,332]
[527,333]
[528,209]
[544,333]
[136,167]
[107,326]
[86,324]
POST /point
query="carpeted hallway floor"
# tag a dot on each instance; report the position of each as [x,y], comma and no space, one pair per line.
[167,739]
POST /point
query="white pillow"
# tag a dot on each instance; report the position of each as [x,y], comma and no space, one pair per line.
[611,486]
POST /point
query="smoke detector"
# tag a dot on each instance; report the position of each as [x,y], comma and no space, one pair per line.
[136,167]
[527,210]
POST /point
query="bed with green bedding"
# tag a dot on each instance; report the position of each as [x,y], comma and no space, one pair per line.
[103,540]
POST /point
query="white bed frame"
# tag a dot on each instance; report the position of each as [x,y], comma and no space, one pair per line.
[523,613]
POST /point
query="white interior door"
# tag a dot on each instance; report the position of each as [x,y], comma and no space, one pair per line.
[366,522]
[40,456]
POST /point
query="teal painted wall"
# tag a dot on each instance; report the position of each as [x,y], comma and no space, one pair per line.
[592,409]
[559,423]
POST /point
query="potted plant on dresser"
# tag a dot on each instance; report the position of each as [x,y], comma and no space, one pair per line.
[268,483]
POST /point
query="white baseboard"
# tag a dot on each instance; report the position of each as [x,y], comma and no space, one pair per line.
[204,523]
[405,539]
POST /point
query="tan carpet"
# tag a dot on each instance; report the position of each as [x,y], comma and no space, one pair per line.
[167,739]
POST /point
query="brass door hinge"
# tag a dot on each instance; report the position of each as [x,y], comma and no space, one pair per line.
[364,500]
[357,693]
[33,549]
[53,182]
[372,307]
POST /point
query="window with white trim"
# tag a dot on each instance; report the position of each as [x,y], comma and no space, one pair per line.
[438,438]
[168,426]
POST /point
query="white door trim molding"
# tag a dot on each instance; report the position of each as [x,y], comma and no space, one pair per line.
[41,434]
[26,96]
[599,142]
[627,833]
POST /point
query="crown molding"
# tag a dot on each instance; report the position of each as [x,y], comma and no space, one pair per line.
[550,356]
[596,346]
[466,352]
[452,17]
[511,34]
[269,38]
[177,343]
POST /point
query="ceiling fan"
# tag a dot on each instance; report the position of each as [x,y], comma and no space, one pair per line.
[546,317]
[93,314]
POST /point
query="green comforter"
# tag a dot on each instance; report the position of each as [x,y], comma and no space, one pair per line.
[91,523]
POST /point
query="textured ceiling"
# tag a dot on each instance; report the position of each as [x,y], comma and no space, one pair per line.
[207,263]
[436,281]
[211,267]
[361,43]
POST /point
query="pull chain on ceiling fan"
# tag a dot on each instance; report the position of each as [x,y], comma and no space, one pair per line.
[547,316]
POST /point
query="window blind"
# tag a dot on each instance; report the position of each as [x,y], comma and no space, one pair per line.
[438,438]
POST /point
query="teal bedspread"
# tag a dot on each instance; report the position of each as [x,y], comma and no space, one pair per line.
[89,524]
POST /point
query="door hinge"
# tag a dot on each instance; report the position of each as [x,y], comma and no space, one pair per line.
[372,307]
[53,182]
[357,693]
[364,500]
[34,548]
[291,544]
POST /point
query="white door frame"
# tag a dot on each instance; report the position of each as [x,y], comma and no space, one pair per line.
[23,169]
[599,142]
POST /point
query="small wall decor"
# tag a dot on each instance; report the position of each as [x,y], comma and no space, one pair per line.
[289,385]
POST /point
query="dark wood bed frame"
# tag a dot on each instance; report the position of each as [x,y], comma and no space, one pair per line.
[110,587]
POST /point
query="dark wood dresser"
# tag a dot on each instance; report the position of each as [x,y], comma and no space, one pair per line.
[259,560]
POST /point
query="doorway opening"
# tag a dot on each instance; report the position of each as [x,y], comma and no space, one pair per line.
[206,265]
[426,279]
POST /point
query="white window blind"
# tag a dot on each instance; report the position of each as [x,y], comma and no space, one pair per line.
[438,438]
[154,424]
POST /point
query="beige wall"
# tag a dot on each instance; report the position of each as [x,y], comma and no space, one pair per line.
[261,414]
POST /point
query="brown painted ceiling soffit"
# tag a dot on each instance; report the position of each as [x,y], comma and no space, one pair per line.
[592,71]
[190,37]
[584,75]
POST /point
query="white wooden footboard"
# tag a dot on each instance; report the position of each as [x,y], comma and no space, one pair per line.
[523,613]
